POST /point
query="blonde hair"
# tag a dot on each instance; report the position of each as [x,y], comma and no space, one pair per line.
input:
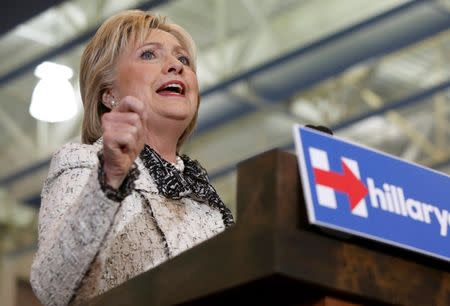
[100,56]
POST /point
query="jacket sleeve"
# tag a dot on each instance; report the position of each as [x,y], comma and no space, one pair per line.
[75,216]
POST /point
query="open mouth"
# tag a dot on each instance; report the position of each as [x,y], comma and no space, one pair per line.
[172,87]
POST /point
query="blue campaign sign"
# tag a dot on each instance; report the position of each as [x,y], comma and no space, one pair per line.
[364,192]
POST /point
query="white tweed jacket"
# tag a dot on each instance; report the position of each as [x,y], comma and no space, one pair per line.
[89,243]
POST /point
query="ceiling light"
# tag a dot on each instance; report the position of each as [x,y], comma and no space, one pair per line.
[53,98]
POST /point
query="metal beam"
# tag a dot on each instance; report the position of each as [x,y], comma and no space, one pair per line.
[18,135]
[409,101]
[81,38]
[310,64]
[16,12]
[336,37]
[420,139]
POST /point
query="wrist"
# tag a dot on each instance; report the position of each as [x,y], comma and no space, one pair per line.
[114,181]
[116,187]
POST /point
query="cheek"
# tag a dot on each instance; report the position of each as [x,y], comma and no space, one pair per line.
[195,81]
[133,80]
[195,89]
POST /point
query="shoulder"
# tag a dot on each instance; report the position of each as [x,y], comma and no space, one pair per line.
[74,155]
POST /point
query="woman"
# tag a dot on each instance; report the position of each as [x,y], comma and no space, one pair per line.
[124,201]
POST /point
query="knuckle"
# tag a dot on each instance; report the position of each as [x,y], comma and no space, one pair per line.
[128,100]
[135,104]
[134,131]
[135,118]
[129,138]
[139,106]
[108,118]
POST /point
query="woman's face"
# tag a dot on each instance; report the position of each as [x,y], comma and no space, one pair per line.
[158,72]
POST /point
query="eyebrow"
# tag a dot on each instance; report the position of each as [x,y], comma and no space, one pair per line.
[159,45]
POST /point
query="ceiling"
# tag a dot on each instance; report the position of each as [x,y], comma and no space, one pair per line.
[376,72]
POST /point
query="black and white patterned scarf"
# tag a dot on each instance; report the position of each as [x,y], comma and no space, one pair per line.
[192,183]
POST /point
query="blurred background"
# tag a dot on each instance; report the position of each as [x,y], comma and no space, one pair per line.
[376,72]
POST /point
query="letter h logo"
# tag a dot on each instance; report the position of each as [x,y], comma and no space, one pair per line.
[328,182]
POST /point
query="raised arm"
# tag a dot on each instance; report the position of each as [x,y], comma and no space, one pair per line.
[75,215]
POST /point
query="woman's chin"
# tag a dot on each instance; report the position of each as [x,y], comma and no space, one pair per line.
[178,117]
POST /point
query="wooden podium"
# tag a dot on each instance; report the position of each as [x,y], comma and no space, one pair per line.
[272,256]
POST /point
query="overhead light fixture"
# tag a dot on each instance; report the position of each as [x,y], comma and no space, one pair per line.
[53,98]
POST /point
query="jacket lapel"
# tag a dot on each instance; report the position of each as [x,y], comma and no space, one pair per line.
[144,182]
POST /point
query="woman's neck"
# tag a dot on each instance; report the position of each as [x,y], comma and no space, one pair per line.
[166,147]
[162,136]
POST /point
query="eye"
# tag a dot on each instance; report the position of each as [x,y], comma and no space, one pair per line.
[147,55]
[184,60]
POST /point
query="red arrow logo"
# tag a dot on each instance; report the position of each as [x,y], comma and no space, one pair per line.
[346,182]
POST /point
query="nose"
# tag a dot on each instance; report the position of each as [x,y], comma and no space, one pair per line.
[173,65]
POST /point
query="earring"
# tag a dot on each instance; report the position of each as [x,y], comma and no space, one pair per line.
[113,103]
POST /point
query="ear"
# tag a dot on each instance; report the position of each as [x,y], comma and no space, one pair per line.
[108,98]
